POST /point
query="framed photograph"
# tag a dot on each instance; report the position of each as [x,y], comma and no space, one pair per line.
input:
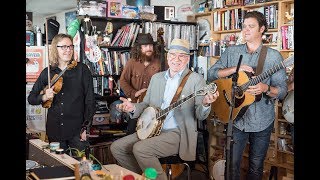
[69,17]
[114,8]
[29,16]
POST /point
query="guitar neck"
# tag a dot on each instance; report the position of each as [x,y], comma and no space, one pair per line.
[262,76]
[172,106]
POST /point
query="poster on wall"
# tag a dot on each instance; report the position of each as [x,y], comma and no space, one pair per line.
[69,17]
[35,114]
[35,62]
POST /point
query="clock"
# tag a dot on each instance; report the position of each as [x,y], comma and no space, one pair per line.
[204,31]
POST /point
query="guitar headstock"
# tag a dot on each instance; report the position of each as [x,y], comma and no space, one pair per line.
[212,88]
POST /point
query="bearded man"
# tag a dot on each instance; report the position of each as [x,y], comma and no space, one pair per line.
[135,78]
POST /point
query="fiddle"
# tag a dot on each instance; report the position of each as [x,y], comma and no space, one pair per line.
[57,82]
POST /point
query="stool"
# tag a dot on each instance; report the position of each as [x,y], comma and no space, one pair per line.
[174,159]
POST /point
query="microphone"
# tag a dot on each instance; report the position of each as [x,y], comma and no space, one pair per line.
[235,75]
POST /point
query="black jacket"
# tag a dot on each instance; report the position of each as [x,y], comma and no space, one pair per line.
[72,107]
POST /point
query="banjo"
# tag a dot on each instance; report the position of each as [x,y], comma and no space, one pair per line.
[151,120]
[288,107]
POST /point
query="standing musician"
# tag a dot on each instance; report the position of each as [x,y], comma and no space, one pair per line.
[135,78]
[179,132]
[73,106]
[257,122]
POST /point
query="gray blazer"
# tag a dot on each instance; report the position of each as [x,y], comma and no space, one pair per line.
[186,115]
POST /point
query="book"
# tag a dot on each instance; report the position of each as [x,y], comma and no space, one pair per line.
[53,173]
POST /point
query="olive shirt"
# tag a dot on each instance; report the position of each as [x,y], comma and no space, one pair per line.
[260,114]
[72,107]
[136,76]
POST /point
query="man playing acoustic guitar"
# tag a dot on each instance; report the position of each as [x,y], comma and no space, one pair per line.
[256,123]
[179,130]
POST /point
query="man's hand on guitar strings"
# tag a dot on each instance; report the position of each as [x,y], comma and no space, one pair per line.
[210,98]
[126,106]
[257,89]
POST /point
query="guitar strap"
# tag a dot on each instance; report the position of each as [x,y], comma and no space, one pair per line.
[262,57]
[179,90]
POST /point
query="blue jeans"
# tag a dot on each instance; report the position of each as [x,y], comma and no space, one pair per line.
[259,143]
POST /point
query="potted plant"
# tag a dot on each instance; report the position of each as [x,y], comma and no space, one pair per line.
[77,154]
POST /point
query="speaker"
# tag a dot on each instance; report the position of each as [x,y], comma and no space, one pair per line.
[164,12]
[53,29]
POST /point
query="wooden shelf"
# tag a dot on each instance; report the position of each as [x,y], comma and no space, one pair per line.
[217,147]
[286,152]
[138,20]
[252,6]
[286,50]
[283,120]
[227,31]
[202,14]
[284,136]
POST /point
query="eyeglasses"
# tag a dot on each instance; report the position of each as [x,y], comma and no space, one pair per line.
[65,47]
[181,57]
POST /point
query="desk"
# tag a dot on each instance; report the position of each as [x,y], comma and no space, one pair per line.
[116,169]
[44,156]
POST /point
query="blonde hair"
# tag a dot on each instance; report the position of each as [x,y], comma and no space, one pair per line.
[53,53]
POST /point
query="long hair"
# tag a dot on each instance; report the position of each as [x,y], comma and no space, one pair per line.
[259,17]
[136,52]
[53,53]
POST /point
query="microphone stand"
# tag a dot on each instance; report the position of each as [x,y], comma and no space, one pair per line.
[228,169]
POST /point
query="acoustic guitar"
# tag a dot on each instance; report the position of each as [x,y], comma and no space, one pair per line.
[220,108]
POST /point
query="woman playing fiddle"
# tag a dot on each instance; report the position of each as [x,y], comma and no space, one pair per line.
[69,94]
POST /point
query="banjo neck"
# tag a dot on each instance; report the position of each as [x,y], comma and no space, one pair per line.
[174,105]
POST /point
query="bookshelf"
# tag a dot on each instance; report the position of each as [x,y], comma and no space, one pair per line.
[279,36]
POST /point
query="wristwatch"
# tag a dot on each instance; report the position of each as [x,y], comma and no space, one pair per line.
[268,91]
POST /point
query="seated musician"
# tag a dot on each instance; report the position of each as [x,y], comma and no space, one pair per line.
[179,132]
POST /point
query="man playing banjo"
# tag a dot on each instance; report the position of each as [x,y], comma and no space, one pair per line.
[179,128]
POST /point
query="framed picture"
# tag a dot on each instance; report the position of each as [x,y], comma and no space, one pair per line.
[114,8]
[69,17]
[35,62]
[29,16]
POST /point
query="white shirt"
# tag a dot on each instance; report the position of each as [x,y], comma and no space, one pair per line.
[171,87]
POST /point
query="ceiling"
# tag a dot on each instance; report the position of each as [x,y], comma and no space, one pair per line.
[49,7]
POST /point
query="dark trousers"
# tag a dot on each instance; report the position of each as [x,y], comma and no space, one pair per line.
[132,124]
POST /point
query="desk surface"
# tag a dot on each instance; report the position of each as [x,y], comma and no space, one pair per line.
[112,169]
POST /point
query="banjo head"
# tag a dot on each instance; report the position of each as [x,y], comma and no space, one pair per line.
[288,107]
[146,123]
[218,169]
